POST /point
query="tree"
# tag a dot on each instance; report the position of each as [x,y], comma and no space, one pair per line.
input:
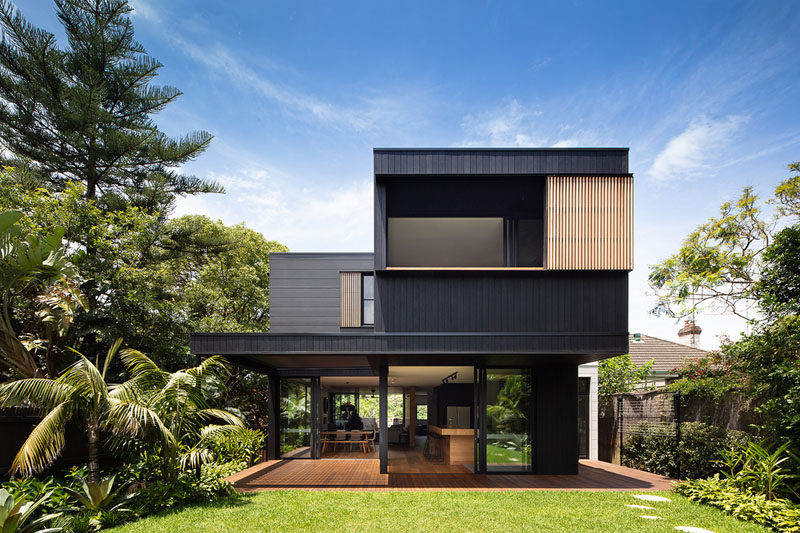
[718,264]
[83,112]
[778,289]
[230,290]
[620,374]
[34,266]
[152,280]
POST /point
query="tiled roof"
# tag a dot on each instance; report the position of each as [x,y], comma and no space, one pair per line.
[666,355]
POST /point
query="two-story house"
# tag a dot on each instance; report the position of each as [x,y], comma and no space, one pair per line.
[495,274]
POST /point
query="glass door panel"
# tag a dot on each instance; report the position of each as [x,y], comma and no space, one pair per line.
[295,418]
[508,420]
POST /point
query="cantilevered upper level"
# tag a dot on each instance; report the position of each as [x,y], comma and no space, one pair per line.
[508,256]
[509,209]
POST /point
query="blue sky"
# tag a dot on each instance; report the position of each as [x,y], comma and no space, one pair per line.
[297,94]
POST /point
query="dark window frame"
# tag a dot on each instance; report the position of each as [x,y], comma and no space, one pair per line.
[364,299]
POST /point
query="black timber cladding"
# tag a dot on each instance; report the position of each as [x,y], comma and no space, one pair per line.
[304,289]
[583,161]
[533,301]
[398,343]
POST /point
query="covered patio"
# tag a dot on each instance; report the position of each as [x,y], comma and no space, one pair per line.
[364,474]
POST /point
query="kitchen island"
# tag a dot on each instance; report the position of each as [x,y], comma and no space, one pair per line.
[458,446]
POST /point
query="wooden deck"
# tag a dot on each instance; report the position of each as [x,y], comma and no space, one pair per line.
[363,474]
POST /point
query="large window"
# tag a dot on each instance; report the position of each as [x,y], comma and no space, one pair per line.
[445,242]
[368,300]
[508,420]
[295,420]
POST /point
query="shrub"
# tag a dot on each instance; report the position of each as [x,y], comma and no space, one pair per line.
[240,445]
[697,455]
[779,514]
[756,468]
[157,495]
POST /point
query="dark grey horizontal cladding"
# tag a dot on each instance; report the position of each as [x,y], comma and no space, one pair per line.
[547,301]
[304,289]
[390,161]
[374,344]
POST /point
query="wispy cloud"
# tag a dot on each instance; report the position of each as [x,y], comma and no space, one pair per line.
[371,111]
[333,218]
[515,124]
[696,149]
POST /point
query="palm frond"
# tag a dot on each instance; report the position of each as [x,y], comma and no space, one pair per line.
[220,414]
[44,443]
[138,363]
[112,351]
[84,376]
[134,419]
[43,393]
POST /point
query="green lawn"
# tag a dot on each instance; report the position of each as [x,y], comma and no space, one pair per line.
[498,455]
[438,511]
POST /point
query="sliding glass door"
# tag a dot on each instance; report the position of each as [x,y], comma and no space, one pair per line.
[296,407]
[509,420]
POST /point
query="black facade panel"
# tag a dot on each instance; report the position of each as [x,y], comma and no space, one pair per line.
[482,346]
[459,197]
[304,290]
[556,419]
[498,161]
[495,302]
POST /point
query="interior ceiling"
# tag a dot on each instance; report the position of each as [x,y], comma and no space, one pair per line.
[425,377]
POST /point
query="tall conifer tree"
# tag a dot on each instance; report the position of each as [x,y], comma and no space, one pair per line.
[83,112]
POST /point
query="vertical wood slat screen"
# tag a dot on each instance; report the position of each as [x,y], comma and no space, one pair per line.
[350,299]
[589,222]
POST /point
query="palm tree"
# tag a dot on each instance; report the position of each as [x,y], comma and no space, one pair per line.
[180,400]
[166,410]
[80,393]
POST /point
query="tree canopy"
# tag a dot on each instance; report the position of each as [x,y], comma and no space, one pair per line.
[718,264]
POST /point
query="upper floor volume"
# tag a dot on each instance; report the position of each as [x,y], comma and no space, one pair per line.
[503,209]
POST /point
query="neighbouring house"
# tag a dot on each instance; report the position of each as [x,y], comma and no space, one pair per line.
[468,340]
[666,356]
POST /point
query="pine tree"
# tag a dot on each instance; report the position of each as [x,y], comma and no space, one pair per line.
[83,112]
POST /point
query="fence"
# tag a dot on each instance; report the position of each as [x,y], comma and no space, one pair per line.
[656,414]
[15,426]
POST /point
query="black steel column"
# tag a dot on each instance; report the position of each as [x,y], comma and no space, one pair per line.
[482,428]
[273,420]
[383,418]
[316,400]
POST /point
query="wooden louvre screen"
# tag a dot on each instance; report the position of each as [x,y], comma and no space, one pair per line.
[350,299]
[589,223]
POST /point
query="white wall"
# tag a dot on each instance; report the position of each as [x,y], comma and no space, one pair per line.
[589,370]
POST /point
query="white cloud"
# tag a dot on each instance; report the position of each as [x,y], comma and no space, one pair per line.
[696,149]
[306,219]
[508,125]
[143,9]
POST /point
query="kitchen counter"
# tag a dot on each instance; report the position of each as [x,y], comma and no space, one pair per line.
[459,445]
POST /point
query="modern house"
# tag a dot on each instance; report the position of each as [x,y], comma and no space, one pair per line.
[495,274]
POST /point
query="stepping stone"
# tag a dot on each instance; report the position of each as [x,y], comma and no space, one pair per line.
[634,506]
[691,529]
[651,498]
[651,517]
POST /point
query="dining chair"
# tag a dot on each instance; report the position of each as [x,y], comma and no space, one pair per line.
[341,435]
[355,439]
[370,441]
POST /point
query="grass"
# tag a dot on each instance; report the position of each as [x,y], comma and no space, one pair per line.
[498,455]
[440,511]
